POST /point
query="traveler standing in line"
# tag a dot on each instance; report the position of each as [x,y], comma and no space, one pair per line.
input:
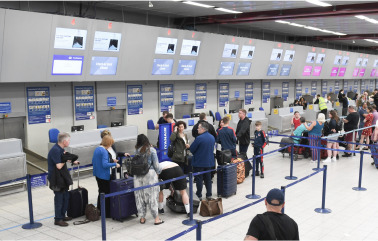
[362,112]
[202,119]
[375,97]
[296,120]
[340,95]
[258,148]
[315,132]
[60,179]
[350,123]
[243,132]
[366,133]
[344,101]
[227,138]
[147,198]
[203,159]
[375,116]
[332,129]
[101,170]
[181,144]
[162,119]
[273,224]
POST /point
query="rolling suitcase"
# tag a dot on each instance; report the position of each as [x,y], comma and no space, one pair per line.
[124,205]
[240,170]
[176,205]
[78,199]
[226,180]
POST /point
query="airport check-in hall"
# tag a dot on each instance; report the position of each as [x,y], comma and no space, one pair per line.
[201,117]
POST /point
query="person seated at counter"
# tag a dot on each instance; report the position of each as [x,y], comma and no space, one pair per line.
[296,103]
[162,119]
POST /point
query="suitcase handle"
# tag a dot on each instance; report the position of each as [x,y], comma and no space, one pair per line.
[78,175]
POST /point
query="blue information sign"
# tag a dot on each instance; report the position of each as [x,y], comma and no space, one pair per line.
[324,88]
[285,90]
[223,94]
[185,97]
[186,67]
[285,70]
[5,107]
[314,86]
[337,87]
[226,68]
[38,100]
[84,102]
[201,96]
[355,86]
[111,101]
[273,69]
[266,92]
[166,97]
[38,180]
[362,86]
[345,86]
[134,99]
[237,94]
[243,69]
[162,67]
[298,90]
[248,93]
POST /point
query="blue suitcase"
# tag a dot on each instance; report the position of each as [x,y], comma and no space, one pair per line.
[226,180]
[124,205]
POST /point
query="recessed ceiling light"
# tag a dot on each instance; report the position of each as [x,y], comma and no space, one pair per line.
[319,3]
[370,40]
[281,21]
[309,27]
[227,10]
[198,4]
[370,20]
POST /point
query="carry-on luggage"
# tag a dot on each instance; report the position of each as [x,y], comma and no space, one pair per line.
[78,199]
[124,205]
[247,164]
[374,151]
[240,170]
[226,180]
[176,205]
[323,152]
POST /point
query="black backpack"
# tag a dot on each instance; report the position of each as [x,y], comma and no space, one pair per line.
[138,165]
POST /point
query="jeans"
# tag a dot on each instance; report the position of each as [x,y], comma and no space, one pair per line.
[61,204]
[199,181]
[361,125]
[243,148]
[259,160]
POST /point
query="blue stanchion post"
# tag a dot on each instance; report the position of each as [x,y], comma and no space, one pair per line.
[283,189]
[319,144]
[323,209]
[31,224]
[199,230]
[103,216]
[190,221]
[253,195]
[291,177]
[359,188]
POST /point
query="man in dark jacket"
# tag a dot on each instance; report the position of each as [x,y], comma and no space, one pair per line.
[243,132]
[202,119]
[375,98]
[226,137]
[203,158]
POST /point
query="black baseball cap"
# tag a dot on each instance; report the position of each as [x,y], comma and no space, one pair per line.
[275,194]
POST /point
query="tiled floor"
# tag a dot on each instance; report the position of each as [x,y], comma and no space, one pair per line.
[354,214]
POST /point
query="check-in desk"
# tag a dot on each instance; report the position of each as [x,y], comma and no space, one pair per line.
[281,118]
[253,116]
[12,165]
[312,112]
[338,107]
[83,143]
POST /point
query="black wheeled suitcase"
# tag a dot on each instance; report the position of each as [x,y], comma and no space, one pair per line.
[226,180]
[247,164]
[78,200]
[176,205]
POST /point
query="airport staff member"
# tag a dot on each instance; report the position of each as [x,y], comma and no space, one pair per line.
[322,105]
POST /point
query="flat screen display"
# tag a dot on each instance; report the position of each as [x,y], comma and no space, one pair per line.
[320,59]
[230,51]
[166,45]
[68,38]
[190,47]
[337,60]
[273,70]
[364,62]
[285,70]
[375,63]
[67,65]
[310,58]
[289,55]
[104,65]
[186,67]
[359,62]
[243,69]
[162,67]
[226,68]
[276,55]
[247,52]
[107,41]
[345,60]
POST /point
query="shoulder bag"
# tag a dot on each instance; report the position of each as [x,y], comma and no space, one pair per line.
[211,207]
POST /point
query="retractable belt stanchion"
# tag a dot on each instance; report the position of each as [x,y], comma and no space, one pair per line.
[323,209]
[190,221]
[32,224]
[359,188]
[318,142]
[291,177]
[199,230]
[253,195]
[283,189]
[103,216]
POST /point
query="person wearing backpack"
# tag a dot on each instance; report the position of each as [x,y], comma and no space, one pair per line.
[147,197]
[181,143]
[331,129]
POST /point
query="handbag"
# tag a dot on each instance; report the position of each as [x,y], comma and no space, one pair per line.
[91,214]
[171,149]
[211,207]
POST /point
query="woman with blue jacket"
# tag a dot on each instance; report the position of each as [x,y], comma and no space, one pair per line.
[101,170]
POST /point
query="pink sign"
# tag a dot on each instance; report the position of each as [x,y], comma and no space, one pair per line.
[355,72]
[376,73]
[307,71]
[342,71]
[334,71]
[373,71]
[361,73]
[317,70]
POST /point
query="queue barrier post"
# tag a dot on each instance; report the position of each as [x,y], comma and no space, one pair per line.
[283,189]
[253,195]
[359,188]
[323,209]
[318,150]
[103,216]
[291,177]
[198,230]
[190,221]
[31,224]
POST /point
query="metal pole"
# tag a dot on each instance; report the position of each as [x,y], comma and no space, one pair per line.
[283,189]
[103,216]
[190,221]
[323,209]
[253,195]
[359,188]
[318,150]
[291,177]
[199,229]
[32,224]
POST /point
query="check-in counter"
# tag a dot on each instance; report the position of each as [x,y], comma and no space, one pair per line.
[281,117]
[312,112]
[83,143]
[12,165]
[338,107]
[253,116]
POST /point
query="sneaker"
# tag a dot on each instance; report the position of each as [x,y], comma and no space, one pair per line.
[257,174]
[337,157]
[161,211]
[61,223]
[327,160]
[333,159]
[262,175]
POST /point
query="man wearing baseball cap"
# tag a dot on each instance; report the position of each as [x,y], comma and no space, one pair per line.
[273,224]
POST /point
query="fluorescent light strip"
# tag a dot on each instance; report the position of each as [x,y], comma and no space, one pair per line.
[309,27]
[370,40]
[198,4]
[319,3]
[370,20]
[227,10]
